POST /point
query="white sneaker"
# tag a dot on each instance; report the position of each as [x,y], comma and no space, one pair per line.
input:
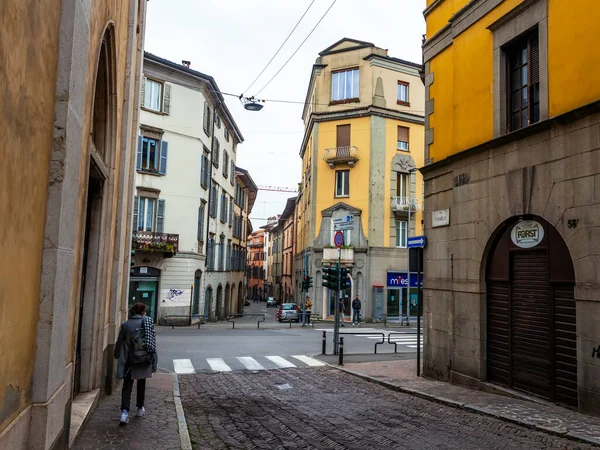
[141,411]
[124,418]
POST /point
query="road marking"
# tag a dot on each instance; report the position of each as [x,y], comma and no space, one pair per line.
[414,346]
[218,364]
[281,362]
[250,363]
[183,366]
[308,360]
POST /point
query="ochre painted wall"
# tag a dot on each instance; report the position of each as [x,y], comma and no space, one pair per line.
[416,139]
[360,136]
[439,16]
[28,80]
[573,54]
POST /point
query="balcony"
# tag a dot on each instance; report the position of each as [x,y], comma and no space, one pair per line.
[330,255]
[150,241]
[341,155]
[405,205]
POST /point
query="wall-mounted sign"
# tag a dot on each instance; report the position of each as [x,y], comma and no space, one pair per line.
[440,218]
[400,279]
[143,270]
[527,234]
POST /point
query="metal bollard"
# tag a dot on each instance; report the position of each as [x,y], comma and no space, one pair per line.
[341,352]
[324,343]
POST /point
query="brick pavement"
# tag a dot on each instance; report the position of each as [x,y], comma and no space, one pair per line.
[157,430]
[526,411]
[323,408]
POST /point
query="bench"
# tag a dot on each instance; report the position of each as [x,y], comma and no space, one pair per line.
[190,317]
[232,317]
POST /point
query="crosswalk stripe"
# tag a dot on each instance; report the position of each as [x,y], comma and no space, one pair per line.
[183,366]
[218,364]
[414,346]
[308,360]
[250,363]
[281,362]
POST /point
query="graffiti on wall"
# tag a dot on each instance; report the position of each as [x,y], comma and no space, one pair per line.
[174,294]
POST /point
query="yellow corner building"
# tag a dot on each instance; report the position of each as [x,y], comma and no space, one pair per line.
[512,147]
[363,143]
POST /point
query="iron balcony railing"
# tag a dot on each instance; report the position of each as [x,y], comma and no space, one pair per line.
[151,241]
[405,204]
[339,155]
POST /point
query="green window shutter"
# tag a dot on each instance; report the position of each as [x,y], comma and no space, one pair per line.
[167,99]
[160,217]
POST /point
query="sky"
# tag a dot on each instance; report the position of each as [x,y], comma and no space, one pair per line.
[233,40]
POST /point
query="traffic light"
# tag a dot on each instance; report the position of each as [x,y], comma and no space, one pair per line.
[309,284]
[345,278]
[132,262]
[330,277]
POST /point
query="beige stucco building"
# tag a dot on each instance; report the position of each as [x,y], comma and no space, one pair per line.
[69,114]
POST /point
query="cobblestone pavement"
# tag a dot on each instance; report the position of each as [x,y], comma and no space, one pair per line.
[323,408]
[531,412]
[157,430]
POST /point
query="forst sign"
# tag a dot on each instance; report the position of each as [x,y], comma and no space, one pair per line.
[400,279]
[527,234]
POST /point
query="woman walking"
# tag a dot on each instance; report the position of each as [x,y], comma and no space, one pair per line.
[135,351]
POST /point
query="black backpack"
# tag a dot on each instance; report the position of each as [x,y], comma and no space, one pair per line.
[138,354]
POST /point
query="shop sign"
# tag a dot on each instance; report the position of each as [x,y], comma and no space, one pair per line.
[527,234]
[400,279]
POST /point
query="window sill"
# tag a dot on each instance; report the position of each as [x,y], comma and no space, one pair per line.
[341,196]
[403,150]
[344,101]
[204,186]
[402,103]
[153,111]
[150,172]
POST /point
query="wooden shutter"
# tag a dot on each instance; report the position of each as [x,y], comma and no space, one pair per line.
[167,99]
[138,163]
[403,134]
[216,153]
[203,171]
[164,150]
[143,95]
[136,201]
[230,211]
[160,217]
[343,136]
[201,223]
[207,121]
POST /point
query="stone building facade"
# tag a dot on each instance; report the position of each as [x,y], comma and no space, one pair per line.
[69,115]
[512,184]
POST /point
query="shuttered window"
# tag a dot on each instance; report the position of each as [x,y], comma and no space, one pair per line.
[402,138]
[204,171]
[403,94]
[207,119]
[216,153]
[343,136]
[225,164]
[201,223]
[230,211]
[232,178]
[152,156]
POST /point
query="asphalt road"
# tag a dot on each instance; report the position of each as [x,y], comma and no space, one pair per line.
[189,349]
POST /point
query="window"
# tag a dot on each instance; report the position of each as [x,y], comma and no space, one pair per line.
[218,121]
[221,256]
[403,93]
[342,183]
[230,211]
[148,214]
[226,132]
[152,155]
[205,170]
[216,153]
[342,136]
[223,207]
[402,138]
[210,254]
[344,85]
[401,233]
[402,184]
[213,202]
[201,225]
[153,95]
[232,179]
[225,164]
[207,122]
[524,82]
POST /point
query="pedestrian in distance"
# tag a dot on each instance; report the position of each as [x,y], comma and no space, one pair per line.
[308,309]
[356,306]
[342,310]
[135,351]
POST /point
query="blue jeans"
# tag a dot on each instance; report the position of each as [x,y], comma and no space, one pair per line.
[356,316]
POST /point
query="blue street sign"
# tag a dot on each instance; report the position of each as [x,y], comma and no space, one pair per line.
[417,242]
[338,239]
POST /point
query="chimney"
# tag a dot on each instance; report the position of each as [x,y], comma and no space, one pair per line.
[186,63]
[387,52]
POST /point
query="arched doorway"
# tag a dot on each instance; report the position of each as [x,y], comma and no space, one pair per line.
[207,301]
[531,326]
[196,299]
[218,303]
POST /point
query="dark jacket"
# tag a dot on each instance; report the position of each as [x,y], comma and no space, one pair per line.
[356,304]
[121,353]
[342,308]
